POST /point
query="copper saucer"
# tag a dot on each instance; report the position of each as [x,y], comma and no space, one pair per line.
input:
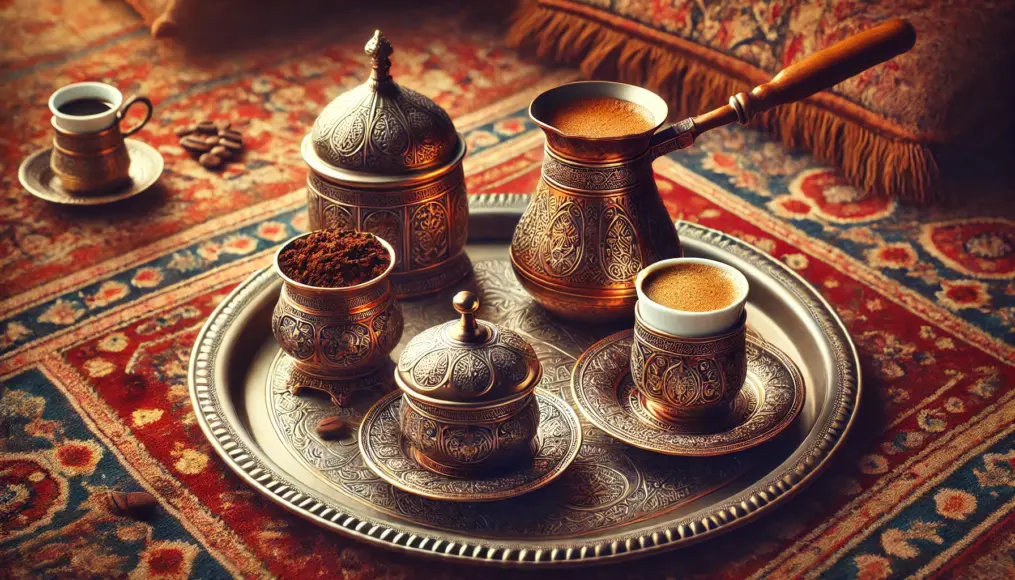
[36,176]
[771,399]
[388,455]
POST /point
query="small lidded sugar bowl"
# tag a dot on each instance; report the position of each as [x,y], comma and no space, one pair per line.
[469,405]
[336,334]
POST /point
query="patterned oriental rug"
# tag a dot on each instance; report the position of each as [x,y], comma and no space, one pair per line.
[99,309]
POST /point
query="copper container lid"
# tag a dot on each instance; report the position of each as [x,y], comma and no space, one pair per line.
[381,129]
[468,361]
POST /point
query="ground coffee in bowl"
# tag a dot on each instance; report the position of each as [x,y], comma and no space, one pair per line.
[334,259]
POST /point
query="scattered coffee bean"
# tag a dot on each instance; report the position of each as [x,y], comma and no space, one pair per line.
[231,135]
[214,142]
[195,144]
[131,504]
[233,146]
[333,427]
[209,161]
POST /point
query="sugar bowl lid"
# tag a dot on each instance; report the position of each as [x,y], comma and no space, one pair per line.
[380,127]
[467,361]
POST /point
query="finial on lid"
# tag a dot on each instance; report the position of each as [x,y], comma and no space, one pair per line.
[467,303]
[379,49]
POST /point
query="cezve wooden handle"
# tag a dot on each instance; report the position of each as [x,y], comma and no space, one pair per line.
[829,67]
[821,70]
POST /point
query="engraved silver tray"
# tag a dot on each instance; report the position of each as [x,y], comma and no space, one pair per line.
[614,502]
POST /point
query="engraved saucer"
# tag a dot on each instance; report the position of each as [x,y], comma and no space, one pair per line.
[146,166]
[389,455]
[771,399]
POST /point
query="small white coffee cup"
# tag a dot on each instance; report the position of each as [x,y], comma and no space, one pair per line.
[85,123]
[688,324]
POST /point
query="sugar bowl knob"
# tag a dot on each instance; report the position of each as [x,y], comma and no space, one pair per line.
[467,303]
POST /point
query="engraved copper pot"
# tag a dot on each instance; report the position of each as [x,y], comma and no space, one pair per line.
[468,402]
[337,333]
[387,160]
[596,219]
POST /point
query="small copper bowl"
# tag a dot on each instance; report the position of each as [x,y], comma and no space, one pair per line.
[337,333]
[471,439]
[689,381]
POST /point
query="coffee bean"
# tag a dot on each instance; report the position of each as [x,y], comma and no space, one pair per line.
[222,125]
[220,151]
[185,130]
[233,146]
[131,504]
[207,127]
[209,161]
[232,135]
[195,143]
[332,427]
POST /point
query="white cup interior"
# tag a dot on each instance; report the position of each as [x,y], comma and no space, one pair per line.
[85,90]
[686,323]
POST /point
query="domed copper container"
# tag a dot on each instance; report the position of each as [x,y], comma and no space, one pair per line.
[468,404]
[337,333]
[387,160]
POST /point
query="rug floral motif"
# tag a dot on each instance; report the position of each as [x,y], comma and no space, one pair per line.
[100,308]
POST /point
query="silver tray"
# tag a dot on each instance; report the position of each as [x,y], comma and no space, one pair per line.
[615,502]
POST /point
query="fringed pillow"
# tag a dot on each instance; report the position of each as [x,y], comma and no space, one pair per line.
[886,128]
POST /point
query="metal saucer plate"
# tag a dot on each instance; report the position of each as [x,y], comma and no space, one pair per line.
[37,177]
[614,502]
[387,454]
[771,399]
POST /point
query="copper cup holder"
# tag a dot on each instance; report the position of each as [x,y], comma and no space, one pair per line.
[691,382]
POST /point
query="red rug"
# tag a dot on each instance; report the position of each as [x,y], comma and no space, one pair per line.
[99,309]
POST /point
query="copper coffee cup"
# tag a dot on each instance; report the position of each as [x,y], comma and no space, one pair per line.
[689,381]
[88,150]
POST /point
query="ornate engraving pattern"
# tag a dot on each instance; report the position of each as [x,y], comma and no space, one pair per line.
[563,244]
[469,442]
[593,179]
[386,225]
[388,198]
[436,365]
[685,382]
[315,302]
[392,130]
[621,257]
[387,452]
[772,396]
[345,345]
[541,528]
[428,235]
[459,219]
[337,217]
[296,337]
